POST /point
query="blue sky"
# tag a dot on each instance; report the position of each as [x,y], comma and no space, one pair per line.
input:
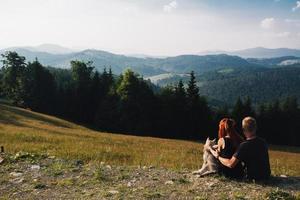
[154,27]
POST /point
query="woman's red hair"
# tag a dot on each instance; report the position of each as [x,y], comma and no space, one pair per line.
[227,127]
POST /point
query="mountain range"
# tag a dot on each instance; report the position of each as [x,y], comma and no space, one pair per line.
[60,57]
[258,52]
[266,75]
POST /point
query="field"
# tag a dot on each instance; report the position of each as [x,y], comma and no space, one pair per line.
[25,131]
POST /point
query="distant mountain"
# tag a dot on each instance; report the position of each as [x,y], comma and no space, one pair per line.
[262,85]
[272,62]
[52,48]
[259,52]
[46,48]
[144,66]
[200,64]
[101,60]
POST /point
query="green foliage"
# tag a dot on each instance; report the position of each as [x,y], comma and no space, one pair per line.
[13,77]
[40,88]
[278,121]
[129,104]
[262,85]
[279,195]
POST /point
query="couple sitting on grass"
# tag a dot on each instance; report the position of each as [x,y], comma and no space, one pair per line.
[239,158]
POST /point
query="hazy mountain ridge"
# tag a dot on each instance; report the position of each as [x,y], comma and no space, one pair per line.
[144,66]
[278,61]
[222,78]
[151,66]
[258,52]
[45,48]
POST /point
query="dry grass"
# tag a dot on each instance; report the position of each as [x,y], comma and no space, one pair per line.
[22,130]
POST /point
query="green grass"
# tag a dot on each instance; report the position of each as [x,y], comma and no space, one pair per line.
[23,130]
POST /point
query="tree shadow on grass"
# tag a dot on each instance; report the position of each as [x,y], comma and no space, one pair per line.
[9,120]
[34,116]
[286,183]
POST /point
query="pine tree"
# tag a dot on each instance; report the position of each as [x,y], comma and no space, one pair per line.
[40,88]
[192,90]
[180,93]
[238,113]
[81,77]
[13,80]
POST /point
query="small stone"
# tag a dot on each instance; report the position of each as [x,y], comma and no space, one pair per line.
[283,176]
[129,184]
[210,185]
[144,167]
[113,192]
[16,174]
[17,180]
[169,183]
[35,167]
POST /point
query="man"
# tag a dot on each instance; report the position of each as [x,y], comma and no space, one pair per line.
[253,153]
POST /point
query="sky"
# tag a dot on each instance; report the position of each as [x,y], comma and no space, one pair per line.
[152,27]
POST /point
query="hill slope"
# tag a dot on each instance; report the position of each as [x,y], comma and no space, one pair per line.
[23,130]
[68,161]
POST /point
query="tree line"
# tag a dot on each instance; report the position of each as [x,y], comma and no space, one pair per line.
[132,105]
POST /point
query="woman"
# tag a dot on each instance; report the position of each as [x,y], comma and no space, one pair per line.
[229,141]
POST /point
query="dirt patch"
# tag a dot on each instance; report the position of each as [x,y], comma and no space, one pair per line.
[31,176]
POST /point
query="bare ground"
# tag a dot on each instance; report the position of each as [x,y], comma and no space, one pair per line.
[31,176]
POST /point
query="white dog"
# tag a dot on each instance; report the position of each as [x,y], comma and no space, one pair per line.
[210,163]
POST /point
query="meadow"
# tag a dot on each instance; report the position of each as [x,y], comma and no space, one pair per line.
[27,131]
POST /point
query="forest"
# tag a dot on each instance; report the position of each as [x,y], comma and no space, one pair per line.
[129,104]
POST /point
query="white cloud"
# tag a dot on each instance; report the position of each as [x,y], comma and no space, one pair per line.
[283,34]
[297,6]
[171,6]
[267,23]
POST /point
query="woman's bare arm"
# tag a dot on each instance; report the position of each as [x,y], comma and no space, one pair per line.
[231,163]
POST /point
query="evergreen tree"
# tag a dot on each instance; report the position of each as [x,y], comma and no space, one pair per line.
[81,77]
[136,103]
[248,109]
[199,119]
[179,111]
[40,88]
[192,90]
[13,78]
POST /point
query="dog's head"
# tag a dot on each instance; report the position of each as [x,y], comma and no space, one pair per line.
[209,143]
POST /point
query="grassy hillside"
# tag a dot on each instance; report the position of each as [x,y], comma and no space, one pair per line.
[23,130]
